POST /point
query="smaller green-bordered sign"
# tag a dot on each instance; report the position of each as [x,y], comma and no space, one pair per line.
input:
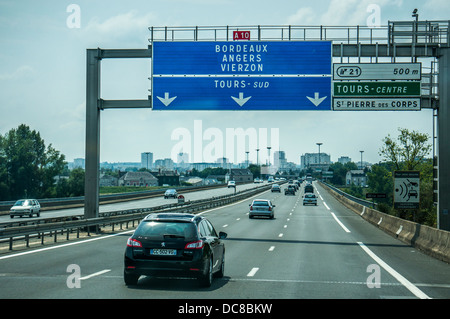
[377,89]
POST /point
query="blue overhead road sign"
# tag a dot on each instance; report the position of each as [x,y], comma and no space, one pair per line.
[253,75]
[238,93]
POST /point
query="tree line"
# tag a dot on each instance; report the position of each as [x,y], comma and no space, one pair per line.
[28,168]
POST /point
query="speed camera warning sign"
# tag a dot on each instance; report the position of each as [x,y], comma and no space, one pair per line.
[406,189]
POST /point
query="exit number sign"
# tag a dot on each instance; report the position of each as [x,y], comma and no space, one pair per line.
[241,35]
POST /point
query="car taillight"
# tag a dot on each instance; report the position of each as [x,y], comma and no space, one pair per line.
[270,208]
[251,207]
[133,243]
[194,245]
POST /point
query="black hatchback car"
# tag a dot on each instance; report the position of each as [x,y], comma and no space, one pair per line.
[175,245]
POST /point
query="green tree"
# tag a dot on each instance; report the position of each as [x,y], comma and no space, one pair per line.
[339,172]
[27,166]
[408,151]
[76,182]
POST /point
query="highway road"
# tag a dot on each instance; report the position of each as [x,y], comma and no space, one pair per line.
[324,251]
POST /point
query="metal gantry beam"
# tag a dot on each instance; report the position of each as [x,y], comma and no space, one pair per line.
[94,104]
[443,141]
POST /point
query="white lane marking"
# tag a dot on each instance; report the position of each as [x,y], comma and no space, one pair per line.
[272,248]
[416,291]
[226,225]
[285,226]
[252,272]
[238,218]
[321,197]
[326,205]
[65,245]
[95,274]
[339,222]
[280,235]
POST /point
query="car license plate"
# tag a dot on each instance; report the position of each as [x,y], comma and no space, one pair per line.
[163,252]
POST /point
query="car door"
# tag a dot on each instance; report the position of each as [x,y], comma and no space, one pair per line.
[214,242]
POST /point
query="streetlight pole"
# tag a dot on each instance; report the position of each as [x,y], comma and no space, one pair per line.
[246,154]
[268,149]
[361,159]
[257,156]
[319,154]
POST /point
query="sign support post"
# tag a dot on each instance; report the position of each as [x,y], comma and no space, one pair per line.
[443,128]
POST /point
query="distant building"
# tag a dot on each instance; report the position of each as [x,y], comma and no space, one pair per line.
[344,159]
[108,180]
[315,161]
[147,160]
[279,159]
[171,178]
[356,177]
[239,175]
[165,164]
[138,179]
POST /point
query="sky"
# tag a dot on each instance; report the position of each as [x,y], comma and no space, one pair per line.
[43,77]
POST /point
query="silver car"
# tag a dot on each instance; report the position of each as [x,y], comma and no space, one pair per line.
[171,193]
[261,207]
[25,207]
[309,199]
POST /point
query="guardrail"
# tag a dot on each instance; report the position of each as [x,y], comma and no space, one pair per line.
[40,230]
[353,198]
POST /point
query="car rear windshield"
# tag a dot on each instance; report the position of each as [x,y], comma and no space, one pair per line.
[310,196]
[164,229]
[260,203]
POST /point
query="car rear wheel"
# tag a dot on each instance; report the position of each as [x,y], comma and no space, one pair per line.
[130,279]
[221,272]
[207,278]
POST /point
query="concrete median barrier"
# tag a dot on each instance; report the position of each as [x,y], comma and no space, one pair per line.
[432,241]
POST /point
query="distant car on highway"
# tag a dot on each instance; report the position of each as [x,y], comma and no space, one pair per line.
[261,207]
[276,188]
[25,207]
[290,190]
[171,193]
[309,188]
[231,184]
[309,199]
[175,245]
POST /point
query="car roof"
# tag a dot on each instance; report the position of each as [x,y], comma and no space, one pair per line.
[182,217]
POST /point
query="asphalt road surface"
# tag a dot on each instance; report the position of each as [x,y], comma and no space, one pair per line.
[324,251]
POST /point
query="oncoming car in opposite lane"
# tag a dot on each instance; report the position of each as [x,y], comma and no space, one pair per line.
[175,244]
[25,207]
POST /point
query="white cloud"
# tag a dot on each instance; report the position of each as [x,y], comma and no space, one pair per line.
[128,27]
[303,16]
[21,72]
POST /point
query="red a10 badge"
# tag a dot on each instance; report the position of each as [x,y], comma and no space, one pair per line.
[241,35]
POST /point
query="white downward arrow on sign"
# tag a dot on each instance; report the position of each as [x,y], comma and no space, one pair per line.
[241,100]
[316,100]
[166,100]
